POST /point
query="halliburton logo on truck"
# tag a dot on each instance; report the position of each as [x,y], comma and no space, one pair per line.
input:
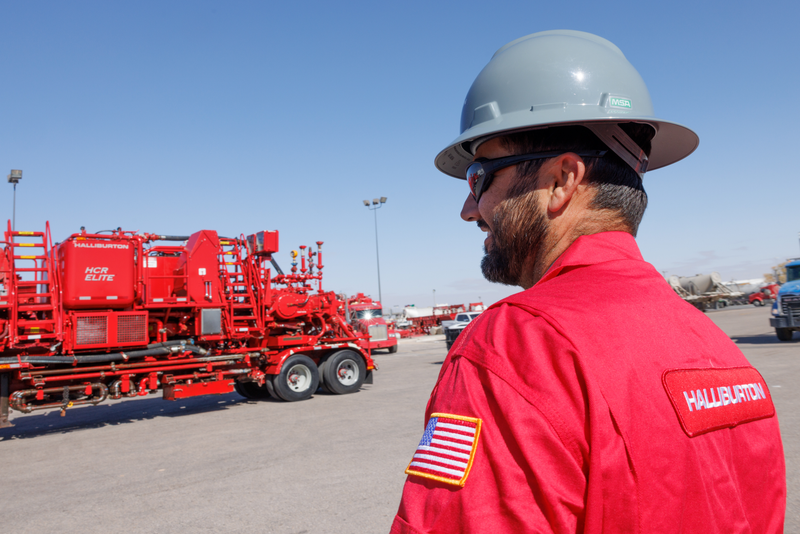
[102,245]
[98,274]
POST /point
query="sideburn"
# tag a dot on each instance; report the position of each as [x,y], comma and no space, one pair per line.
[520,229]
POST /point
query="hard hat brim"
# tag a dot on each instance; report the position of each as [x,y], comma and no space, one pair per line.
[672,141]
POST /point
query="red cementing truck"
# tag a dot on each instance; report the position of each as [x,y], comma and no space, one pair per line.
[366,315]
[121,314]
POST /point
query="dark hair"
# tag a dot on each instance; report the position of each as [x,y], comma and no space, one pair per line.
[618,187]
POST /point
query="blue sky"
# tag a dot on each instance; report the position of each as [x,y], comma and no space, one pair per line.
[171,117]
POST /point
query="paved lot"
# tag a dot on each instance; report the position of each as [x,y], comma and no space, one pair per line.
[223,464]
[779,364]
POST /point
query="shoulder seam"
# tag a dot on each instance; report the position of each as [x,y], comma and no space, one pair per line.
[552,416]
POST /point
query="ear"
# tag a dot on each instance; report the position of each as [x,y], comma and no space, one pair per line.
[567,172]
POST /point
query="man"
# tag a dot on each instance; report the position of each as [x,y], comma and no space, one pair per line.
[596,400]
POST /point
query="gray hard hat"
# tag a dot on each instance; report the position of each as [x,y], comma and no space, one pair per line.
[560,78]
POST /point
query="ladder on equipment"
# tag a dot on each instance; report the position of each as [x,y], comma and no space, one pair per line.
[32,288]
[237,287]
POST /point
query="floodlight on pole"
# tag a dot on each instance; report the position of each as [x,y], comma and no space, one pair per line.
[14,178]
[377,203]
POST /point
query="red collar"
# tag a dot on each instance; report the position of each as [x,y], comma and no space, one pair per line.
[592,249]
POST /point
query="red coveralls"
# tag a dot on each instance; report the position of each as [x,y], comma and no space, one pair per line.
[579,431]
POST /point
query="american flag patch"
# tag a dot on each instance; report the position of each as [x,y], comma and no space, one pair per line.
[447,449]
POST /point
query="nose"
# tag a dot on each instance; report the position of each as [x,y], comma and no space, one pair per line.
[469,212]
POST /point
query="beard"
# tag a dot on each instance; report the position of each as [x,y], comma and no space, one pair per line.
[520,229]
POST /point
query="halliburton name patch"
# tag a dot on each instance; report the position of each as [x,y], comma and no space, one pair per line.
[711,399]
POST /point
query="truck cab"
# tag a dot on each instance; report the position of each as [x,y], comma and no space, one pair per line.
[768,292]
[786,310]
[366,316]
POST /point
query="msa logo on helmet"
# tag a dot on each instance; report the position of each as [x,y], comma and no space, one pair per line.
[616,102]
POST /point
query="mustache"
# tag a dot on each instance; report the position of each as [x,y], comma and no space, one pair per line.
[482,225]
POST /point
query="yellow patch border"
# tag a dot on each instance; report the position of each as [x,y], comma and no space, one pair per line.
[452,482]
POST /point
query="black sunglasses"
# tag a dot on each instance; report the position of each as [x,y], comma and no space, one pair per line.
[480,172]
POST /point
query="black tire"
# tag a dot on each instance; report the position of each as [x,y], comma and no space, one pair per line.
[298,379]
[251,390]
[758,302]
[393,349]
[268,383]
[321,368]
[344,372]
[784,334]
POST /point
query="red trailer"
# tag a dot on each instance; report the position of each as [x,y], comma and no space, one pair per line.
[119,314]
[424,319]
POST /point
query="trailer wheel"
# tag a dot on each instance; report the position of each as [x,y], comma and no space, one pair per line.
[321,368]
[251,390]
[784,334]
[298,379]
[344,372]
[392,349]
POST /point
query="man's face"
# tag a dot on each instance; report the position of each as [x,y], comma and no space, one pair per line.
[516,223]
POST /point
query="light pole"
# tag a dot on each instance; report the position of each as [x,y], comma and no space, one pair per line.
[376,204]
[14,178]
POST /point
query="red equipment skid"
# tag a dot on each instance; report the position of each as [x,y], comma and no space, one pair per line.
[112,315]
